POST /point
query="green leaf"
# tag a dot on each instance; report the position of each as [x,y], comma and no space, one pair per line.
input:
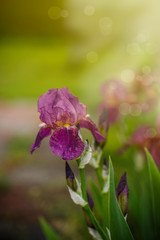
[97,198]
[47,230]
[117,224]
[154,177]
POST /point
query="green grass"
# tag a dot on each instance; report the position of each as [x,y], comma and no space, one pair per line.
[30,66]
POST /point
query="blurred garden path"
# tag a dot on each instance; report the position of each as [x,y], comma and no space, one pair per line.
[20,117]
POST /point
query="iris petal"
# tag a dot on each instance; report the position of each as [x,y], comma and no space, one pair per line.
[65,142]
[43,132]
[60,105]
[87,123]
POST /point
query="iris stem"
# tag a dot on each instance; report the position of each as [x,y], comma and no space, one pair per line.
[95,223]
[104,197]
[99,176]
[87,208]
[105,209]
[83,184]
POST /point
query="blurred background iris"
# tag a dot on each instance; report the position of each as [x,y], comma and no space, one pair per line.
[53,44]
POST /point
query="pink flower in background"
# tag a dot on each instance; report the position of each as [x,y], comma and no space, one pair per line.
[114,93]
[62,112]
[136,97]
[144,91]
[146,136]
[141,135]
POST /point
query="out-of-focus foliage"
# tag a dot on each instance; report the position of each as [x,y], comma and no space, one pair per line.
[75,44]
[48,231]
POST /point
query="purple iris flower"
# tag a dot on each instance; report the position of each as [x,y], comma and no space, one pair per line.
[62,112]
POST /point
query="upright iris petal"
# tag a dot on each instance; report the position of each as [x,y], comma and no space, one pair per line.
[59,103]
[62,112]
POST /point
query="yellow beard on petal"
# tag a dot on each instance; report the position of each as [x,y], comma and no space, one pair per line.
[62,124]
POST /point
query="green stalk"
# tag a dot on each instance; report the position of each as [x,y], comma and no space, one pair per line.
[95,223]
[105,209]
[100,179]
[104,197]
[83,184]
[87,208]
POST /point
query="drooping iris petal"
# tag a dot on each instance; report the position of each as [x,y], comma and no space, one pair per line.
[87,123]
[65,142]
[43,132]
[60,105]
[122,194]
